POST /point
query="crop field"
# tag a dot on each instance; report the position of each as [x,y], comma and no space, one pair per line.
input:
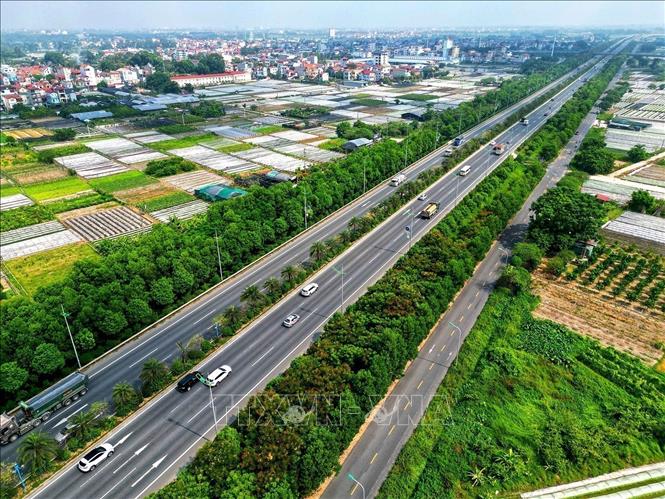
[418,97]
[115,147]
[190,181]
[616,299]
[37,244]
[141,157]
[191,140]
[24,216]
[295,135]
[57,189]
[114,222]
[166,201]
[138,196]
[214,160]
[82,201]
[181,211]
[235,148]
[368,102]
[38,173]
[90,165]
[7,190]
[309,153]
[122,181]
[332,144]
[232,132]
[28,133]
[149,137]
[273,159]
[268,129]
[48,267]
[14,201]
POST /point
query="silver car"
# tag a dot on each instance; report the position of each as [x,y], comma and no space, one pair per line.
[291,320]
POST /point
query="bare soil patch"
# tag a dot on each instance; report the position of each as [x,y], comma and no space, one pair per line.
[145,193]
[613,322]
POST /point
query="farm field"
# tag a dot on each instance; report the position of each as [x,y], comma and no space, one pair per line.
[418,97]
[122,181]
[48,267]
[529,404]
[167,201]
[56,189]
[191,140]
[139,196]
[368,102]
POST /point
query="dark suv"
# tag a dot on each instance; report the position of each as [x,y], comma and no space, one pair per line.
[186,383]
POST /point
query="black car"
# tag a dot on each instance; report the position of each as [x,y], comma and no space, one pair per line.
[186,383]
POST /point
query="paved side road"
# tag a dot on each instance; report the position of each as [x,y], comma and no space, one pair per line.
[164,435]
[374,454]
[124,364]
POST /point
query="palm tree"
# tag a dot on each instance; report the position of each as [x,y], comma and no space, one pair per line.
[317,250]
[354,224]
[233,315]
[153,375]
[37,450]
[123,395]
[194,343]
[251,295]
[289,273]
[83,422]
[273,286]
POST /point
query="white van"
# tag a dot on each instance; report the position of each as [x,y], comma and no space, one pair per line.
[464,170]
[398,180]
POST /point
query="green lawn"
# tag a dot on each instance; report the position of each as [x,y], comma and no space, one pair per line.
[56,189]
[418,97]
[167,201]
[236,147]
[369,102]
[269,129]
[48,267]
[192,140]
[122,181]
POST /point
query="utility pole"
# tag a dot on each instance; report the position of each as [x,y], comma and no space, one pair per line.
[364,178]
[64,315]
[219,257]
[459,126]
[212,404]
[304,191]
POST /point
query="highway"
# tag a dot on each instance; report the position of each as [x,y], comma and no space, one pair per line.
[162,436]
[159,341]
[375,452]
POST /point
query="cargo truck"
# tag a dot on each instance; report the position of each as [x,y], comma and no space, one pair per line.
[430,210]
[499,149]
[397,180]
[524,121]
[35,411]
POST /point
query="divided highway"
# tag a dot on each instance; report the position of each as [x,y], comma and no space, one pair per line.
[375,452]
[159,341]
[162,436]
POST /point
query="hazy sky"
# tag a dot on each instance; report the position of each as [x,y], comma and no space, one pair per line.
[130,15]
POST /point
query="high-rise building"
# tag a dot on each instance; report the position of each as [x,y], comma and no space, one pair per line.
[381,59]
[332,32]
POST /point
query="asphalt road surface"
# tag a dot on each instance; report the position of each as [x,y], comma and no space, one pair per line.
[377,449]
[161,437]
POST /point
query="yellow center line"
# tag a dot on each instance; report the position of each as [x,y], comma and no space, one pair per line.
[461,319]
[477,293]
[444,346]
[373,458]
[353,489]
[391,429]
[420,384]
[470,303]
[431,366]
[407,405]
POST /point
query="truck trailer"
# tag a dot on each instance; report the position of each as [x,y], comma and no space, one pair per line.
[35,411]
[499,149]
[429,211]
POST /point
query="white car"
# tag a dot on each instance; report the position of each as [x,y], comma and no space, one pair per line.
[97,455]
[291,320]
[309,290]
[422,197]
[218,375]
[492,142]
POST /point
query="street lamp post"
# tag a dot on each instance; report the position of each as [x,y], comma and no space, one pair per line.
[212,404]
[341,274]
[64,315]
[353,479]
[459,339]
[364,179]
[457,189]
[304,191]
